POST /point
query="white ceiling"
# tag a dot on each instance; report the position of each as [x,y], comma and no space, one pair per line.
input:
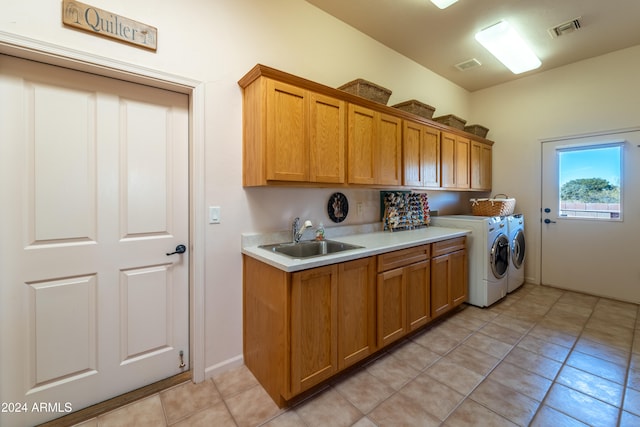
[440,39]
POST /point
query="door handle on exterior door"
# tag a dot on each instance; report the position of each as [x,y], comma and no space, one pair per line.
[548,221]
[180,249]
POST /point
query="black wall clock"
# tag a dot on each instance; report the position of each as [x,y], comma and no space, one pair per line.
[338,207]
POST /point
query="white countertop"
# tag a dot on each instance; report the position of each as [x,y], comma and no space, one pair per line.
[373,243]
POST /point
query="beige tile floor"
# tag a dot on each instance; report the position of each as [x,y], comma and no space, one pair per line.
[541,357]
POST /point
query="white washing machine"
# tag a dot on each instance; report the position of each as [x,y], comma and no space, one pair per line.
[488,247]
[515,227]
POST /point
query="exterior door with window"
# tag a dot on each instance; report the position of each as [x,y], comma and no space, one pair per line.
[94,175]
[591,214]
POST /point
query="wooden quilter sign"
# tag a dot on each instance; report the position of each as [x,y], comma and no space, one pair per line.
[107,24]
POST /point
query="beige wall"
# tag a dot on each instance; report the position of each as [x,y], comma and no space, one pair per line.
[218,41]
[598,94]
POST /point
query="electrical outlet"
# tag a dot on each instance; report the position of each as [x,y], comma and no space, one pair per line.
[359,209]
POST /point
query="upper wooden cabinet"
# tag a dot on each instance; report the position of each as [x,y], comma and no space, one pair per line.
[454,155]
[292,135]
[421,155]
[287,132]
[326,139]
[299,132]
[375,147]
[481,155]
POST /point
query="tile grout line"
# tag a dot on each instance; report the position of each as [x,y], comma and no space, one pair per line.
[572,349]
[468,396]
[420,372]
[474,332]
[564,363]
[442,356]
[626,376]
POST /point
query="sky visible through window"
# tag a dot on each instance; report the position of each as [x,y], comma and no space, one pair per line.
[599,162]
[590,198]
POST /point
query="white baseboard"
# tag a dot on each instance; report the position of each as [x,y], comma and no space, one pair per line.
[224,366]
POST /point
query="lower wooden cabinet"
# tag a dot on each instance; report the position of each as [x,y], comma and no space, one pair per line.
[418,294]
[403,292]
[356,311]
[314,326]
[392,306]
[459,277]
[301,328]
[449,275]
[332,323]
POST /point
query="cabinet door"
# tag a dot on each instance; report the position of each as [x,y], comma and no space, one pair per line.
[421,155]
[356,311]
[418,278]
[391,306]
[455,152]
[314,326]
[440,289]
[463,147]
[448,160]
[362,145]
[412,137]
[389,150]
[481,166]
[459,277]
[430,159]
[287,147]
[327,121]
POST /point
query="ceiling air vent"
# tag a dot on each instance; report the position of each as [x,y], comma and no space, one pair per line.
[468,64]
[565,28]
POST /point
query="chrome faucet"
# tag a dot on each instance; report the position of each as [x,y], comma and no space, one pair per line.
[296,231]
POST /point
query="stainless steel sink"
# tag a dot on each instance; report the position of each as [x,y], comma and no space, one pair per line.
[308,249]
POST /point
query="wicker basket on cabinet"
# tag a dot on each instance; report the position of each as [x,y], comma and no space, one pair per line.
[493,207]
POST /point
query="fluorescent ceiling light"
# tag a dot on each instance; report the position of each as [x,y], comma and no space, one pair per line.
[443,4]
[506,44]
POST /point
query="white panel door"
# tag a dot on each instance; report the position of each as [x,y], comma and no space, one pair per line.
[595,255]
[94,195]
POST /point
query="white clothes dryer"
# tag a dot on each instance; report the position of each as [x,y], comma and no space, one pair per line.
[488,248]
[517,247]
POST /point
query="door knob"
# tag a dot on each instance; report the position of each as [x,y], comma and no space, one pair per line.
[180,249]
[548,221]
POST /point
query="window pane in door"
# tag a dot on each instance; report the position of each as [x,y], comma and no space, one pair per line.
[590,183]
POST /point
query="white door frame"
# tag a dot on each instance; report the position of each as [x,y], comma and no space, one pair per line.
[37,50]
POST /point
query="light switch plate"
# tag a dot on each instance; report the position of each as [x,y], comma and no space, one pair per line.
[214,214]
